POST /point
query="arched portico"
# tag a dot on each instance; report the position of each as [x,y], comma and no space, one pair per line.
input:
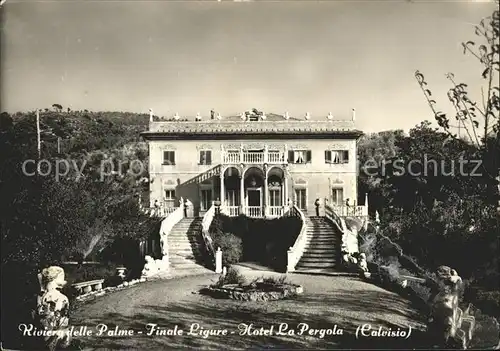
[276,190]
[254,190]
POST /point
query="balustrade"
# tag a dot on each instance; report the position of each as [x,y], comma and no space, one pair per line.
[233,211]
[345,211]
[275,211]
[254,211]
[253,157]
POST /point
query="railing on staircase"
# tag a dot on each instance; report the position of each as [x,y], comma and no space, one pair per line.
[349,211]
[333,217]
[205,232]
[168,223]
[212,172]
[161,211]
[295,252]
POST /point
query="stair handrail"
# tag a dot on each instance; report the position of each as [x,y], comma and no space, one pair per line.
[295,252]
[169,222]
[347,243]
[205,231]
[333,217]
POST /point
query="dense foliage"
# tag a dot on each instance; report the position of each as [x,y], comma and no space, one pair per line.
[262,240]
[74,213]
[437,188]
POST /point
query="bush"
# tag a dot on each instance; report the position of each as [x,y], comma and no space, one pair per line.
[231,246]
[487,301]
[233,276]
[263,240]
[275,281]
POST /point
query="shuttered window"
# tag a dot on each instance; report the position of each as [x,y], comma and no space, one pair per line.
[205,157]
[336,156]
[299,156]
[169,157]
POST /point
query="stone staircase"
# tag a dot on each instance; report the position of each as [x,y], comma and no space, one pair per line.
[323,246]
[185,248]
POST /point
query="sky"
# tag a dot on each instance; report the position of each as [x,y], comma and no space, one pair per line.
[191,56]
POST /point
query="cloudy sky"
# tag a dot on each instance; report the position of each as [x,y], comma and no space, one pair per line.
[189,57]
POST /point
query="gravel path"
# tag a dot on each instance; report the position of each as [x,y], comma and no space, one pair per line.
[327,301]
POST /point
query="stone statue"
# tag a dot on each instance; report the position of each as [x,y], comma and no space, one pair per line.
[286,116]
[448,325]
[198,117]
[52,310]
[330,116]
[219,117]
[362,263]
[150,267]
[176,116]
[307,116]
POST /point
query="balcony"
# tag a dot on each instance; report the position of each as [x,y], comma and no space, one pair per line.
[253,157]
[254,211]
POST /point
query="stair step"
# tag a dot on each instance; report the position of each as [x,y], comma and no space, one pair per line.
[322,245]
[319,254]
[316,266]
[318,259]
[322,238]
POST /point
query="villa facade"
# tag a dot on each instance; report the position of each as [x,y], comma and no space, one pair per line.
[254,164]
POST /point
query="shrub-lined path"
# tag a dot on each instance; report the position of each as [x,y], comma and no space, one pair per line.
[344,301]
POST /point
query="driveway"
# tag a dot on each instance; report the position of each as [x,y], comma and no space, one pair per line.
[328,303]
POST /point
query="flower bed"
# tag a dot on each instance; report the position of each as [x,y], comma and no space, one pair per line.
[233,286]
[260,291]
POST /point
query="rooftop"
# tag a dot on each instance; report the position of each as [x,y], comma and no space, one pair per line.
[252,124]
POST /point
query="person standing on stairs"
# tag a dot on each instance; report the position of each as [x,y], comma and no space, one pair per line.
[317,204]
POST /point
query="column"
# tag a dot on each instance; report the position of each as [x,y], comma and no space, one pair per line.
[241,153]
[222,188]
[242,194]
[265,194]
[266,152]
[286,190]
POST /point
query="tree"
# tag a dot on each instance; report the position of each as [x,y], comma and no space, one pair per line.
[479,121]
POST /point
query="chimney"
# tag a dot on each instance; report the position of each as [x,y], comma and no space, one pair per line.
[353,114]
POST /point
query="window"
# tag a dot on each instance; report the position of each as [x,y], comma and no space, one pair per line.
[299,156]
[169,157]
[275,197]
[336,156]
[206,199]
[301,198]
[337,196]
[205,157]
[170,198]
